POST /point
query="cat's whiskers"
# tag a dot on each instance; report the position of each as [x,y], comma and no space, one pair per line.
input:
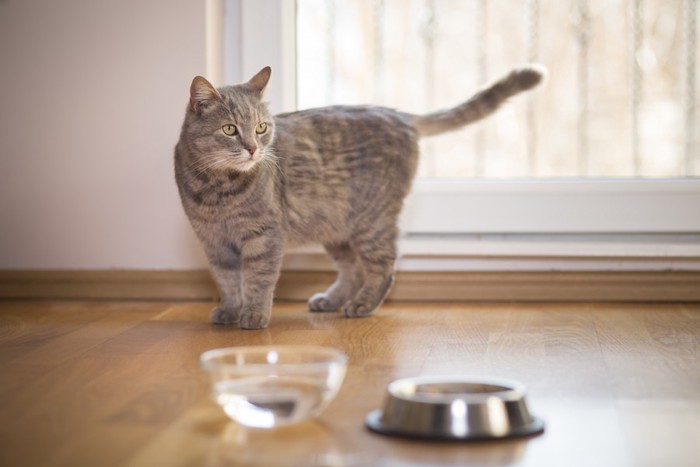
[270,159]
[202,167]
[212,162]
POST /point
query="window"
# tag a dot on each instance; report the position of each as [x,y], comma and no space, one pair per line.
[620,103]
[619,107]
[609,146]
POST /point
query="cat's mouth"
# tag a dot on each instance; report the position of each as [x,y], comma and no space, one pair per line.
[248,161]
[247,165]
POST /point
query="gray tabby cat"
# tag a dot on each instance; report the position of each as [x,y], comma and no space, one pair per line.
[252,184]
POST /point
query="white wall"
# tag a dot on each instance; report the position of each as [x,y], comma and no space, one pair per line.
[92,95]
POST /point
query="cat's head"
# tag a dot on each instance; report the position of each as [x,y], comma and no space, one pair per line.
[229,128]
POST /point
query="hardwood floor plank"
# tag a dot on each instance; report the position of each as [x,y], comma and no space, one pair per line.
[648,424]
[105,378]
[26,326]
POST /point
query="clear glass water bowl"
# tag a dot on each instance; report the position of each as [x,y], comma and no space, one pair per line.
[272,386]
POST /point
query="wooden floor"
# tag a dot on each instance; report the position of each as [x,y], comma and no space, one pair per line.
[118,384]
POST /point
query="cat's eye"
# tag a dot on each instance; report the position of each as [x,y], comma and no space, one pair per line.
[229,130]
[261,128]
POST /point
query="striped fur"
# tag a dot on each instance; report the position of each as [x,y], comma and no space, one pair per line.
[482,104]
[335,175]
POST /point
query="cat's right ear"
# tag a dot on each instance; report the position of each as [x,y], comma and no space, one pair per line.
[260,80]
[202,94]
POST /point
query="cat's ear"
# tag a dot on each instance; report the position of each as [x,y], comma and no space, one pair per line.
[202,94]
[260,80]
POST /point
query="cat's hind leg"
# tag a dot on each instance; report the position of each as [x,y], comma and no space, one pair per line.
[349,280]
[377,252]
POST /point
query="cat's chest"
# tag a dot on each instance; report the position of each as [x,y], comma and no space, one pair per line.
[224,196]
[233,214]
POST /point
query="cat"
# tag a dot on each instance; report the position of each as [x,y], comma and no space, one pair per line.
[252,183]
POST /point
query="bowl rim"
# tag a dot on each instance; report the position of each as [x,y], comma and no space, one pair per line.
[512,390]
[333,355]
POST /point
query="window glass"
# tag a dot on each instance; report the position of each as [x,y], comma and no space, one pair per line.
[621,99]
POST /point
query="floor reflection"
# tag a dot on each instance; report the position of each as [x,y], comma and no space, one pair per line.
[306,444]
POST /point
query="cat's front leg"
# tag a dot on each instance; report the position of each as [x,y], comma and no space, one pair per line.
[262,260]
[225,267]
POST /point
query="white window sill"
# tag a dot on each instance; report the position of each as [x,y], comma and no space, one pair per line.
[561,206]
[530,253]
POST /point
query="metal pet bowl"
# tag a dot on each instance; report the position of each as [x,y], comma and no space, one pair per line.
[455,409]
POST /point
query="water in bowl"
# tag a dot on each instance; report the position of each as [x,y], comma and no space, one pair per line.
[267,402]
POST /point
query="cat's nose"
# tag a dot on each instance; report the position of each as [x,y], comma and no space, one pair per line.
[251,149]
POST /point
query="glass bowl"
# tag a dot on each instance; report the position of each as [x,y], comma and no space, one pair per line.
[272,386]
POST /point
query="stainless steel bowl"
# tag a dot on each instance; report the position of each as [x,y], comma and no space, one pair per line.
[455,408]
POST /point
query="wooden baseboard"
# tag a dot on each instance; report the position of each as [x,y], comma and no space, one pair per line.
[409,286]
[108,284]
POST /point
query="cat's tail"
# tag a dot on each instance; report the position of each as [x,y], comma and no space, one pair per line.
[482,104]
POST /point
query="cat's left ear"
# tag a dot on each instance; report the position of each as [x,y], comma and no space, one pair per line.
[260,80]
[202,94]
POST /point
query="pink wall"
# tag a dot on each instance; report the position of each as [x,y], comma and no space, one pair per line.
[92,95]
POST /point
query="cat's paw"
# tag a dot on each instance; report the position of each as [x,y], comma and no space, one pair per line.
[321,302]
[368,299]
[221,315]
[358,310]
[255,320]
